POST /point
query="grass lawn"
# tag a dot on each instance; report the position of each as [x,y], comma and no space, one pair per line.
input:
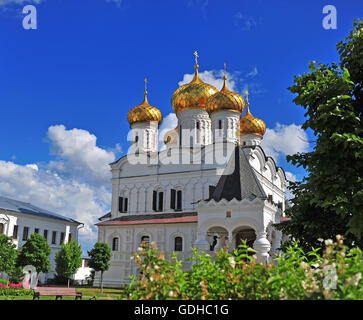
[87,294]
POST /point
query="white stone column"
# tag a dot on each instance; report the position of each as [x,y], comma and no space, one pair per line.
[229,242]
[66,237]
[250,140]
[230,126]
[262,246]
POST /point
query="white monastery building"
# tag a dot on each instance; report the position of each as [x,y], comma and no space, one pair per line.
[19,220]
[210,188]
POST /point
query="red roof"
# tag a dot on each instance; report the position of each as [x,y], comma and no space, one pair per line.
[150,221]
[282,219]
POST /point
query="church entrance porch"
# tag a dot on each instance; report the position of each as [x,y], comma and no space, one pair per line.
[217,238]
[244,234]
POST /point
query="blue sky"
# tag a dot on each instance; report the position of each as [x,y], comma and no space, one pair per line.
[80,72]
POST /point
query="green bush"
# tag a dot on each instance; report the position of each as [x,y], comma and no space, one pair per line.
[15,292]
[293,275]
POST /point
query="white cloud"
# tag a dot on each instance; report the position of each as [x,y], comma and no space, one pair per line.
[236,81]
[10,2]
[244,22]
[77,185]
[284,140]
[83,157]
[48,190]
[253,73]
[116,2]
[170,122]
[213,77]
[290,177]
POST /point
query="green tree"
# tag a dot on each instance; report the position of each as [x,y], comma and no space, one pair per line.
[36,252]
[8,255]
[328,201]
[68,259]
[100,257]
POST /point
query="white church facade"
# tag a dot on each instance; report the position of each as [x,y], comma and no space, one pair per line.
[19,220]
[210,188]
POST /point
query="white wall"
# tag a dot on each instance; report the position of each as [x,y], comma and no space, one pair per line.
[32,221]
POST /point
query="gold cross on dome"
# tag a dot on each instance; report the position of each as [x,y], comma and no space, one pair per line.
[196,56]
[225,69]
[145,84]
[246,92]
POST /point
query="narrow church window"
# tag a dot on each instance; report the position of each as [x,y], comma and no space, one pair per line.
[15,232]
[197,132]
[154,199]
[136,139]
[122,204]
[179,200]
[147,139]
[115,244]
[160,204]
[1,228]
[178,244]
[126,200]
[176,199]
[61,238]
[158,200]
[220,127]
[172,198]
[54,237]
[25,233]
[45,234]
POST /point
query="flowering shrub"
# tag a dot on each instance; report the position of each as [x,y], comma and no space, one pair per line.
[296,275]
[13,289]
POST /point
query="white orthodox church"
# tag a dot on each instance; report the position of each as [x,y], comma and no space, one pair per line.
[210,188]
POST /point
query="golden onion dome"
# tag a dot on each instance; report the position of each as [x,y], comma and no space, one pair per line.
[193,94]
[144,112]
[250,124]
[225,100]
[171,136]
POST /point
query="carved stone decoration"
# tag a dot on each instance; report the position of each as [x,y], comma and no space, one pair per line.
[262,246]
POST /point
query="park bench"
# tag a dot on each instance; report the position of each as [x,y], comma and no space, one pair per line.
[58,292]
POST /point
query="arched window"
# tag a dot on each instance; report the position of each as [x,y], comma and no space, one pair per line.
[178,244]
[158,200]
[115,242]
[220,128]
[176,199]
[197,132]
[147,139]
[123,202]
[1,228]
[145,239]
